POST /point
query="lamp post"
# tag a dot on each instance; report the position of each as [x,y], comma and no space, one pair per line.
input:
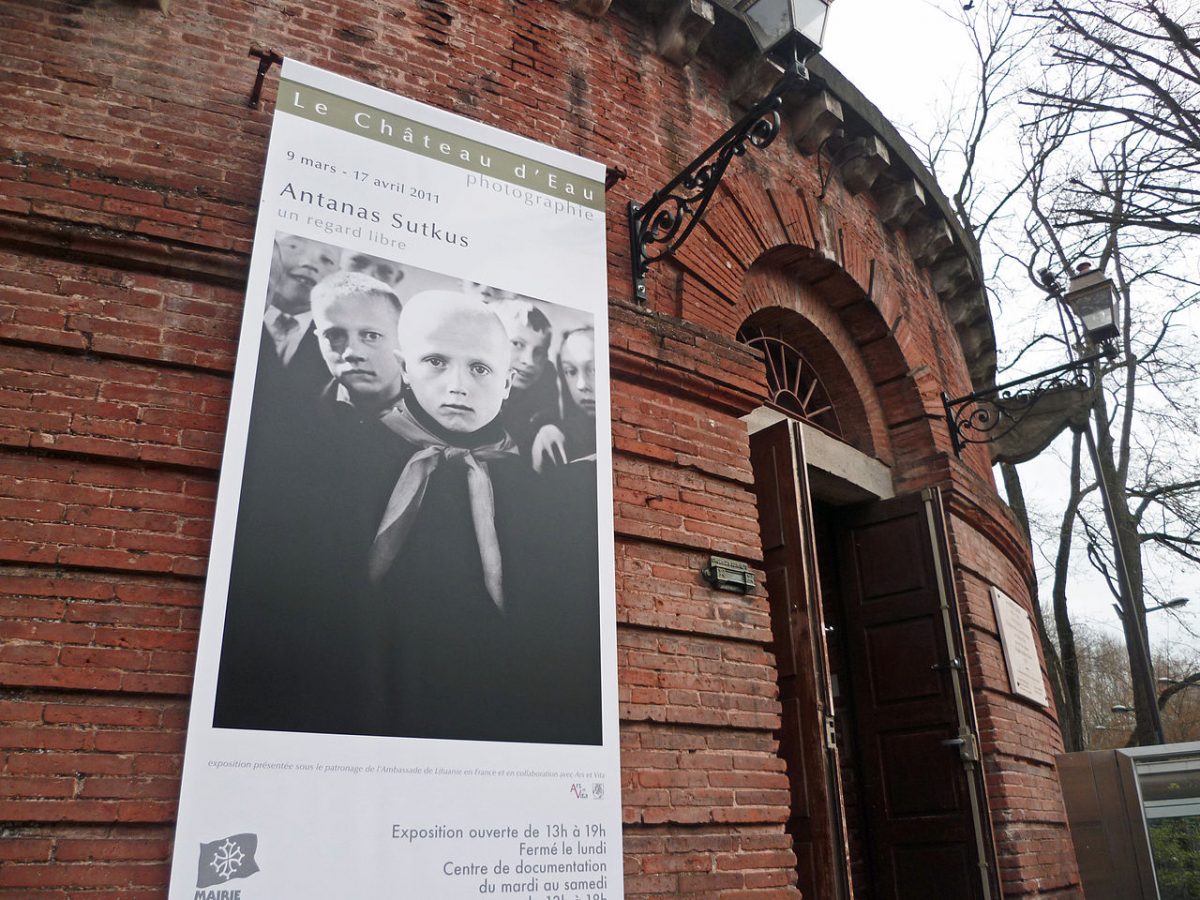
[1173,603]
[1088,311]
[787,31]
[1173,686]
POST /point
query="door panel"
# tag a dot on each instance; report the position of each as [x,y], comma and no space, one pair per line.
[926,820]
[787,635]
[797,625]
[899,565]
[931,871]
[901,657]
[792,748]
[902,753]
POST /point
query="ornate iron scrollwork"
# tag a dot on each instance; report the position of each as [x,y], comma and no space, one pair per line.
[658,227]
[988,415]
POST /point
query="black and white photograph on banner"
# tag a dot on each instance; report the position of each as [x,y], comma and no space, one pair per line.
[415,552]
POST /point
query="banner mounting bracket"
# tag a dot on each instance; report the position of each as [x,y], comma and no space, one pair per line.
[612,175]
[266,59]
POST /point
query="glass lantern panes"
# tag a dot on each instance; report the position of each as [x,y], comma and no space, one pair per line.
[773,21]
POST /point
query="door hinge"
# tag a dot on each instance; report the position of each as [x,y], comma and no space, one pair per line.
[830,734]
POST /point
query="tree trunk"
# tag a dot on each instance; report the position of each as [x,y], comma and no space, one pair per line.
[1065,688]
[1128,558]
[1072,714]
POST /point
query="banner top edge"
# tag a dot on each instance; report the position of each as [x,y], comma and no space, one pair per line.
[323,79]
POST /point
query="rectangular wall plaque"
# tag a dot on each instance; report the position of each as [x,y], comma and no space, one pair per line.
[1021,655]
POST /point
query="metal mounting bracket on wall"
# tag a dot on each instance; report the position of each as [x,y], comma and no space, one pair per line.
[266,59]
[986,416]
[668,217]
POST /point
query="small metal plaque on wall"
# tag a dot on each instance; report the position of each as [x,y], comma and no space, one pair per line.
[728,575]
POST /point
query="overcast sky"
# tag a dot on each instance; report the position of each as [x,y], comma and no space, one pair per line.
[909,58]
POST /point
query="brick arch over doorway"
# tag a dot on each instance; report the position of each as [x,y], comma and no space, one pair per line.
[793,310]
[762,246]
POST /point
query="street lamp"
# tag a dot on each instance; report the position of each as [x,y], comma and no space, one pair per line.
[986,416]
[795,27]
[1089,307]
[788,31]
[1092,298]
[1173,603]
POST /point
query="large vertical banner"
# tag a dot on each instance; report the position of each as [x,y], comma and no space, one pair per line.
[406,679]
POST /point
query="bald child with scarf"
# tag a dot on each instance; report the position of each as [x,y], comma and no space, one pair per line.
[486,582]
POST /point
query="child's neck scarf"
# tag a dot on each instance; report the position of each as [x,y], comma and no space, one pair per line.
[435,445]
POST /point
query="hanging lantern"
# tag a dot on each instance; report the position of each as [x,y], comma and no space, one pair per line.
[798,25]
[1092,299]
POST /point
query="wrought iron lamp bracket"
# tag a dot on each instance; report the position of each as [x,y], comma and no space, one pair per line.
[658,227]
[988,415]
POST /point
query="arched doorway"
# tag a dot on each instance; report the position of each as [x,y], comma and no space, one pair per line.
[877,729]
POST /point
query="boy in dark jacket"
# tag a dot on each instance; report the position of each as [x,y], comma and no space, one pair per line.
[487,582]
[301,649]
[533,398]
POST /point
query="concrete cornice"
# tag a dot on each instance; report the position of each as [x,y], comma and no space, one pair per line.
[964,298]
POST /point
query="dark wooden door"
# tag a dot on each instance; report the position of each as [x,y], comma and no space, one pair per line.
[922,790]
[797,623]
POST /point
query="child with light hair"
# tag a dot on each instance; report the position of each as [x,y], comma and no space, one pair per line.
[301,649]
[573,437]
[486,585]
[356,318]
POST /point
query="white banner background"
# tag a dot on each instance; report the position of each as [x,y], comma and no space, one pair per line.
[340,816]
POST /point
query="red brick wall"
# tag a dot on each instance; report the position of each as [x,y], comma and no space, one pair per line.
[129,170]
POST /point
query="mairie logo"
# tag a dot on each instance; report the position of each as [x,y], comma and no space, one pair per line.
[226,859]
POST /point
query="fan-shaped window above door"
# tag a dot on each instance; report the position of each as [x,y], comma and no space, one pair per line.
[810,377]
[793,383]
